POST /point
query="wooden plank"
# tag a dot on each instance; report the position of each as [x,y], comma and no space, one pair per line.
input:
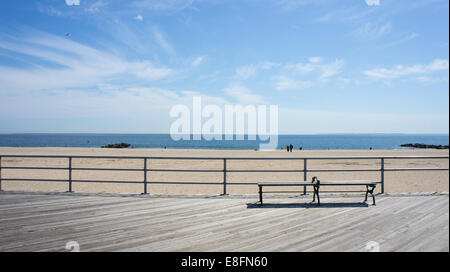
[100,223]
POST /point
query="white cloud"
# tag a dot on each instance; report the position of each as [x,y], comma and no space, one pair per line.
[51,10]
[95,7]
[431,80]
[268,65]
[139,18]
[243,95]
[159,37]
[298,121]
[245,72]
[198,61]
[285,83]
[373,2]
[248,71]
[316,65]
[290,5]
[73,2]
[107,108]
[400,70]
[163,5]
[315,59]
[373,31]
[74,65]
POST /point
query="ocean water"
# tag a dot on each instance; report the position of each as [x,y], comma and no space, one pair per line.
[307,142]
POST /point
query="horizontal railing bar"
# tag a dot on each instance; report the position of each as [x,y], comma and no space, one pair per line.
[222,158]
[106,181]
[72,156]
[343,170]
[186,182]
[29,179]
[35,168]
[283,192]
[133,182]
[416,169]
[269,171]
[219,171]
[65,180]
[107,169]
[185,170]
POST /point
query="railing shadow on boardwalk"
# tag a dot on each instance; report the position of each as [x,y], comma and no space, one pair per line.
[307,205]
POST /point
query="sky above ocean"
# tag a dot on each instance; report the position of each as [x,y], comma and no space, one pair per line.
[104,66]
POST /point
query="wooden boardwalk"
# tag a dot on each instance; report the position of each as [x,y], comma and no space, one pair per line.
[46,222]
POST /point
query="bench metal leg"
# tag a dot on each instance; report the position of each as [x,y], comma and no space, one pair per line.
[260,195]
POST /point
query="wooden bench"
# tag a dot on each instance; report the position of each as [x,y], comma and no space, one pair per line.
[316,184]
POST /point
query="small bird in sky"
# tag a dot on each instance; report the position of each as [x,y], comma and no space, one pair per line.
[68,34]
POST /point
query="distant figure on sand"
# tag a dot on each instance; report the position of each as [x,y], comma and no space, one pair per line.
[287,148]
[300,148]
[291,147]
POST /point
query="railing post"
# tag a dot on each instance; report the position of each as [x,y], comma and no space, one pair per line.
[1,174]
[305,173]
[382,175]
[145,176]
[70,174]
[224,176]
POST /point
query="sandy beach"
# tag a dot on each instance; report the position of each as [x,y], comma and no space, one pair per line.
[395,182]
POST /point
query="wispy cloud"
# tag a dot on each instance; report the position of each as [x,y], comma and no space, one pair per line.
[285,83]
[370,31]
[57,62]
[96,6]
[163,5]
[243,95]
[373,2]
[198,61]
[432,80]
[139,18]
[303,75]
[50,10]
[245,72]
[403,39]
[248,71]
[315,65]
[291,5]
[162,42]
[400,70]
[72,2]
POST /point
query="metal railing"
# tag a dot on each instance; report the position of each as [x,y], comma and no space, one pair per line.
[145,169]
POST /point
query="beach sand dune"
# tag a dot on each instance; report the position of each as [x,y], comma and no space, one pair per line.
[395,182]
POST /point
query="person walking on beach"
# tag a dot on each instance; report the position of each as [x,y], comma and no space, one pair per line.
[287,148]
[291,147]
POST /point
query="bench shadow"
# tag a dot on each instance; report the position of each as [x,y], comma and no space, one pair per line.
[307,205]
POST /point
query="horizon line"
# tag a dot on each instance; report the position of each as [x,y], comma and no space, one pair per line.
[279,134]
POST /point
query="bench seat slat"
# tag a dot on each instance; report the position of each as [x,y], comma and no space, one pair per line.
[287,183]
[330,183]
[348,182]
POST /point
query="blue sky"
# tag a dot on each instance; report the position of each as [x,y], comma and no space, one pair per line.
[354,66]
